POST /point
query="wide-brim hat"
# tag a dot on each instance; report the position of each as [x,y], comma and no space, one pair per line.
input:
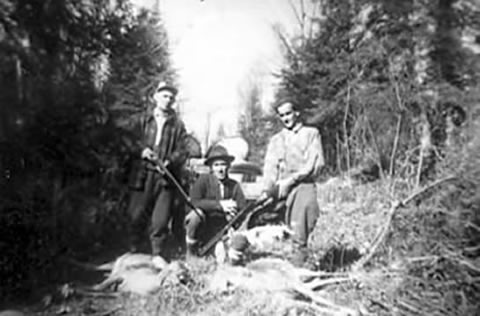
[218,152]
[165,86]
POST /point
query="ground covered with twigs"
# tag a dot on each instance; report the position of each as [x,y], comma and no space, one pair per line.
[417,255]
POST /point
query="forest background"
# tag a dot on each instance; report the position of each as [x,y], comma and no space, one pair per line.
[393,87]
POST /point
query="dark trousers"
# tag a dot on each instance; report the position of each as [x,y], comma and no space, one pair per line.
[202,230]
[178,219]
[153,202]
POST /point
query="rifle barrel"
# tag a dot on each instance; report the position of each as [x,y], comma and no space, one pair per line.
[162,169]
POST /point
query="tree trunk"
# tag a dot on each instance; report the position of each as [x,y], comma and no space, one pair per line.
[423,29]
[425,154]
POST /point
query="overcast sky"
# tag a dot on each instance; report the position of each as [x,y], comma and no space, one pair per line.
[218,48]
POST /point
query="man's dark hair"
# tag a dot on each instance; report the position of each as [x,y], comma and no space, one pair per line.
[283,101]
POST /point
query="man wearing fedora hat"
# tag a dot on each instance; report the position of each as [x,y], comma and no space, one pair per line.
[151,194]
[217,198]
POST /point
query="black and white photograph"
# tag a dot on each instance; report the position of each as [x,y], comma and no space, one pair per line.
[239,157]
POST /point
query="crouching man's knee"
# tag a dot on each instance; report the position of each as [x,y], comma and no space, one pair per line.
[193,221]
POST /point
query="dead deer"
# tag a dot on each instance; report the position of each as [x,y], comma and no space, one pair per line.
[276,276]
[265,238]
[268,239]
[145,281]
[140,274]
[127,264]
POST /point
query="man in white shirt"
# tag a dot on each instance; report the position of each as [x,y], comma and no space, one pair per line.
[293,162]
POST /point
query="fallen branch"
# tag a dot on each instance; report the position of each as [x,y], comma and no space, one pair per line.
[472,249]
[382,233]
[316,284]
[420,259]
[408,306]
[472,225]
[462,260]
[328,306]
[380,304]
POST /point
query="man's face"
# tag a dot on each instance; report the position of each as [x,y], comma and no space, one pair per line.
[220,168]
[288,115]
[164,99]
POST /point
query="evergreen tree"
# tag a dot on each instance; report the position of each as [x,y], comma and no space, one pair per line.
[375,77]
[73,74]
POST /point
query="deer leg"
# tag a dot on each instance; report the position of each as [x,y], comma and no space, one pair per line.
[323,302]
[108,282]
[318,283]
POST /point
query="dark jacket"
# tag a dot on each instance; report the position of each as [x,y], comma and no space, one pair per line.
[205,194]
[172,147]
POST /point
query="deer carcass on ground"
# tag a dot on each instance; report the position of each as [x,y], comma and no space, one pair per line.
[273,240]
[277,276]
[138,273]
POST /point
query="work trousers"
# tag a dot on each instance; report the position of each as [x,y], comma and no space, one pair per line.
[154,202]
[302,211]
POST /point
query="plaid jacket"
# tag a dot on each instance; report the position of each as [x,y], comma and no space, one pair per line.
[172,147]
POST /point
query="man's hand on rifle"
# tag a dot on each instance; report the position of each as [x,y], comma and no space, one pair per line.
[284,187]
[198,212]
[269,195]
[149,154]
[229,207]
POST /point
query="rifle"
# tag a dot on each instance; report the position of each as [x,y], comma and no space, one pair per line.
[163,170]
[250,208]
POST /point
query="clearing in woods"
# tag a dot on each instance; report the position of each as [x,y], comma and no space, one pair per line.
[373,255]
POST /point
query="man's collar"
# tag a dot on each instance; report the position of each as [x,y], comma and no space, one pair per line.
[218,180]
[223,181]
[166,115]
[296,128]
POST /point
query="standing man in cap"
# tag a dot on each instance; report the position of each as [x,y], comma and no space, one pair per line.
[217,198]
[151,193]
[293,161]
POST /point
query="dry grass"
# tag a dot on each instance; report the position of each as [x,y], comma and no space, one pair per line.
[194,299]
[427,263]
[350,218]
